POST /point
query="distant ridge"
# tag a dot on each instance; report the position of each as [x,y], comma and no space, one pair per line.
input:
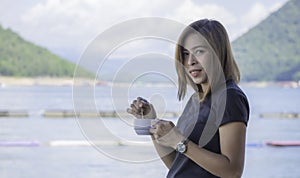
[271,50]
[20,58]
[268,52]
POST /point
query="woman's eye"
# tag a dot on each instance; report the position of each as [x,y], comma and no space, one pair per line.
[199,51]
[186,54]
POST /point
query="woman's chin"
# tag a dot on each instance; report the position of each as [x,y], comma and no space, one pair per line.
[197,81]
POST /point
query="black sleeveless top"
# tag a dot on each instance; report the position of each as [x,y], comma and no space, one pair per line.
[200,122]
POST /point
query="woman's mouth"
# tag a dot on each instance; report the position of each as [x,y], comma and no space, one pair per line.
[195,72]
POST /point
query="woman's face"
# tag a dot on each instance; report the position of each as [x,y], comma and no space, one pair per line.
[196,58]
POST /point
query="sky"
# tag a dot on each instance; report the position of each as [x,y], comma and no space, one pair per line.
[67,27]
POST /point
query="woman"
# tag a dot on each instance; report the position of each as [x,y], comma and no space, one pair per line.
[209,139]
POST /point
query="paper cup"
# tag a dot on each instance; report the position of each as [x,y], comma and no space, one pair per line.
[142,126]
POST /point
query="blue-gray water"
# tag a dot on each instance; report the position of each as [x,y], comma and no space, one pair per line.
[88,162]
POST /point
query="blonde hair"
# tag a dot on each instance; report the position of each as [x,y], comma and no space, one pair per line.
[216,36]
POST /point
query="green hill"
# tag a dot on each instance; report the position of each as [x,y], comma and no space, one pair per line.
[271,50]
[24,59]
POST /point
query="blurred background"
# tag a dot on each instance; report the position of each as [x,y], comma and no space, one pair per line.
[42,41]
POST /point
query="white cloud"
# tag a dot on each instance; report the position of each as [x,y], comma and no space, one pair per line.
[63,24]
[255,15]
[67,26]
[188,12]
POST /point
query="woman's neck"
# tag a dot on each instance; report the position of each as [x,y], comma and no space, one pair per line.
[204,87]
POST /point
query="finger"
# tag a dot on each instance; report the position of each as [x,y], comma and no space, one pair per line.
[134,108]
[154,122]
[142,99]
[170,123]
[159,123]
[142,102]
[130,111]
[152,130]
[156,137]
[136,103]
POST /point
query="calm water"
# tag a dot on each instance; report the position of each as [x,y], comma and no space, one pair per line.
[132,160]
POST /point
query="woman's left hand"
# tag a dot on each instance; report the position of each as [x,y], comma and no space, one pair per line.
[166,133]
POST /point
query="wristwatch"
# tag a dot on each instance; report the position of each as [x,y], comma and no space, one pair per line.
[182,146]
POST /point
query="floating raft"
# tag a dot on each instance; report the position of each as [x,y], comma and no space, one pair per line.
[80,143]
[283,143]
[61,113]
[75,143]
[58,143]
[100,114]
[14,113]
[287,115]
[81,114]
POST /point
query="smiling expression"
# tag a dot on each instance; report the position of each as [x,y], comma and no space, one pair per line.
[196,58]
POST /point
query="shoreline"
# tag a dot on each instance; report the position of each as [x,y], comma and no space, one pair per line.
[68,81]
[47,81]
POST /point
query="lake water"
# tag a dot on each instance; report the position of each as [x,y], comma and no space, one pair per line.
[137,158]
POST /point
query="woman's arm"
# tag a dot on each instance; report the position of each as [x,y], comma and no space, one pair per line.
[166,154]
[230,162]
[140,105]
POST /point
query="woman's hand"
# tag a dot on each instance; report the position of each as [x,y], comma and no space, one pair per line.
[141,108]
[165,133]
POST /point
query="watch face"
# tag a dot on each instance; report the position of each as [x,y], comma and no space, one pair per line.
[181,148]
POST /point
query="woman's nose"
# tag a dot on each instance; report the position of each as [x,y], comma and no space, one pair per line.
[192,60]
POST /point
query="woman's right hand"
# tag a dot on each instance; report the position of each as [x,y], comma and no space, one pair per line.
[141,108]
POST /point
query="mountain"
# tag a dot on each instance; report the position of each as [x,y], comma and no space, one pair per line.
[271,50]
[21,58]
